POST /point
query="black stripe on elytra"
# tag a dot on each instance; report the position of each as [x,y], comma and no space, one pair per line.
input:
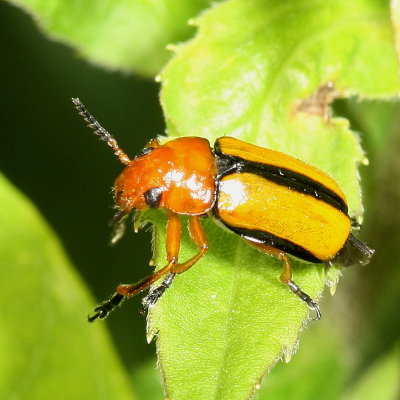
[231,164]
[275,242]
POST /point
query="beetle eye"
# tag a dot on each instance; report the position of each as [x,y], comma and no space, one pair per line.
[153,197]
[144,151]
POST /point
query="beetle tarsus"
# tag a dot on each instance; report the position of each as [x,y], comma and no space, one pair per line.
[151,299]
[312,305]
[102,310]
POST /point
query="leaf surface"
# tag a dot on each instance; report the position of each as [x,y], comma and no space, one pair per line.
[48,349]
[380,380]
[131,36]
[255,71]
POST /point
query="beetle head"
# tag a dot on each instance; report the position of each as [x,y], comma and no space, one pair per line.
[142,183]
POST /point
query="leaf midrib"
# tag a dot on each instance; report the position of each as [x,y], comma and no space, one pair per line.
[236,267]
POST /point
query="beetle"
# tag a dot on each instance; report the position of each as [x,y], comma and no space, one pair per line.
[276,203]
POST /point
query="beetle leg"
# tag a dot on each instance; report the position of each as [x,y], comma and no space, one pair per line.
[151,299]
[286,276]
[198,236]
[312,305]
[102,310]
[173,238]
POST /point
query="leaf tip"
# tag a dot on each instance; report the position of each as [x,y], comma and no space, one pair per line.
[172,47]
[289,352]
[193,22]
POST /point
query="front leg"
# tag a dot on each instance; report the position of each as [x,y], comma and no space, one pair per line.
[198,236]
[173,238]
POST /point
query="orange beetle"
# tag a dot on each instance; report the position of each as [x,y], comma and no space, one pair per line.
[277,203]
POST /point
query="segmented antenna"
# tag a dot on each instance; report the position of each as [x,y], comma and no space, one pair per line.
[100,131]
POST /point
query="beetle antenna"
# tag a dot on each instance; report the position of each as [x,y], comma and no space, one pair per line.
[100,131]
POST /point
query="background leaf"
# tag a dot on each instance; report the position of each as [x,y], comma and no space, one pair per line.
[124,35]
[318,369]
[147,381]
[380,381]
[48,350]
[227,321]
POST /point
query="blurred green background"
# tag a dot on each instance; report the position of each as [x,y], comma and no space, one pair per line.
[48,153]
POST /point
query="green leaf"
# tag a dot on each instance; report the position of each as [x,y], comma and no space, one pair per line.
[250,73]
[317,371]
[147,381]
[48,349]
[375,120]
[380,380]
[124,35]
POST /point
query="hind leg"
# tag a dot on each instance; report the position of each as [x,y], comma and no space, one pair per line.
[286,276]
